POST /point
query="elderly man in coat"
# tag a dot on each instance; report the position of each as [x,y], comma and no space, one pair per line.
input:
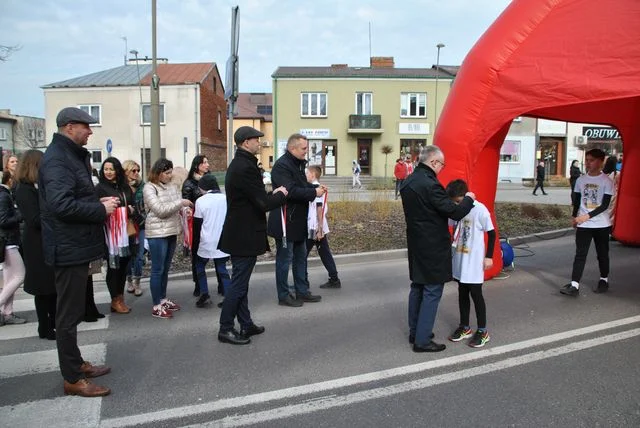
[427,209]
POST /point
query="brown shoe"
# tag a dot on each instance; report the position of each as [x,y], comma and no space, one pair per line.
[85,388]
[117,305]
[90,370]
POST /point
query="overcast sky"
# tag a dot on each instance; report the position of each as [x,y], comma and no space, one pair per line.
[61,39]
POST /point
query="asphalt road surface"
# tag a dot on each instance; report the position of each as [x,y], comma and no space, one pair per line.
[346,362]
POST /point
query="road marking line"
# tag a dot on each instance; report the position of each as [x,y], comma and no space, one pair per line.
[22,331]
[62,412]
[382,392]
[27,305]
[45,361]
[297,391]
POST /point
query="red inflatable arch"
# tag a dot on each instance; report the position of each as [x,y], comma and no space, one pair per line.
[568,60]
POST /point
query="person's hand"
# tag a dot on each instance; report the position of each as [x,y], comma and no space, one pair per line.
[282,190]
[110,204]
[487,263]
[319,235]
[471,195]
[581,219]
[320,190]
[187,203]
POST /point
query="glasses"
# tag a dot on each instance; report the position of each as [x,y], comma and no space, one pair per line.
[135,170]
[440,162]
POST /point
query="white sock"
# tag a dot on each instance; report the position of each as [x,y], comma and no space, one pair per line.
[575,284]
[604,279]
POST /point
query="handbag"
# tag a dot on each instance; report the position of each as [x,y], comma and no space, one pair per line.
[132,229]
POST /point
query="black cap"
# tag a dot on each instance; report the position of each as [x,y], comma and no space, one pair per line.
[73,115]
[246,132]
[208,182]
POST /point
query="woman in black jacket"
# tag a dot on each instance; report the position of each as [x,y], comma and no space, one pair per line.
[13,270]
[39,279]
[574,174]
[191,191]
[113,182]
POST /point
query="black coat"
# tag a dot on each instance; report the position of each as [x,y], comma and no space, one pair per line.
[288,171]
[190,190]
[245,226]
[10,218]
[39,278]
[71,213]
[540,173]
[574,174]
[427,208]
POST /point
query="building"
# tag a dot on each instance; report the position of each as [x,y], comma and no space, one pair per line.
[518,152]
[351,113]
[21,133]
[255,109]
[192,111]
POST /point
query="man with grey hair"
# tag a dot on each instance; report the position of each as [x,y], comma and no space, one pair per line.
[427,208]
[288,225]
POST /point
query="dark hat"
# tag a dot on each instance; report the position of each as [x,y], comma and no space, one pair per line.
[74,115]
[208,182]
[246,132]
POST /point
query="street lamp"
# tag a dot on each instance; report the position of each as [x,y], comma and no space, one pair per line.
[135,53]
[439,46]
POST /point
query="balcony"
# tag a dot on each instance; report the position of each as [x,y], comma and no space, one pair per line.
[365,124]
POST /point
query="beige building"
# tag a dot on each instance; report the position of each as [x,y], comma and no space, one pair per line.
[350,113]
[255,109]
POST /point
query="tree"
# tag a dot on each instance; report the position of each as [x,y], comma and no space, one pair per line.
[6,51]
[386,149]
[28,132]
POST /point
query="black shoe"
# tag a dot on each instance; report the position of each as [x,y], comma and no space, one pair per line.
[309,298]
[430,347]
[221,304]
[534,194]
[204,301]
[196,290]
[252,330]
[332,283]
[603,287]
[90,318]
[412,338]
[233,337]
[569,290]
[290,301]
[545,194]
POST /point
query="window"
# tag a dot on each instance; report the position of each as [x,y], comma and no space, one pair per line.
[40,135]
[3,134]
[32,134]
[219,121]
[146,114]
[510,151]
[215,85]
[96,156]
[94,110]
[265,110]
[413,105]
[364,103]
[313,104]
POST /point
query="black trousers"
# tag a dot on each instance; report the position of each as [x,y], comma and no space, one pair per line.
[91,310]
[539,185]
[600,238]
[475,290]
[46,311]
[116,278]
[71,286]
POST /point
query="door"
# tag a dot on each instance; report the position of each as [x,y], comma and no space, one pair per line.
[364,155]
[330,157]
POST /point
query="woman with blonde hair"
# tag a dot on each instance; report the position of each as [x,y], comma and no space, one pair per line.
[134,271]
[39,279]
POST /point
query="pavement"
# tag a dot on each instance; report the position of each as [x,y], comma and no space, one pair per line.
[345,362]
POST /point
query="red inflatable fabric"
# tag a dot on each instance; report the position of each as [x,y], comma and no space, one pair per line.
[568,60]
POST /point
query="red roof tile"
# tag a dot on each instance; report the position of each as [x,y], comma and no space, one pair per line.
[181,74]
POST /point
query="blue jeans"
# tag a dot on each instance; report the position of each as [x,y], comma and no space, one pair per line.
[221,273]
[423,306]
[325,255]
[161,250]
[236,302]
[295,255]
[137,260]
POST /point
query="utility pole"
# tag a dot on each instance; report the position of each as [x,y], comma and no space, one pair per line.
[155,91]
[231,78]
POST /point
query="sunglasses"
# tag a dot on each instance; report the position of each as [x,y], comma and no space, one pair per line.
[135,170]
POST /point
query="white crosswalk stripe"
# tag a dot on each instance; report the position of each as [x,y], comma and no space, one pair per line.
[58,412]
[22,331]
[26,304]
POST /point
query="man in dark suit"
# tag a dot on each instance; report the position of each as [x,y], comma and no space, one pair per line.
[540,173]
[72,218]
[427,209]
[244,234]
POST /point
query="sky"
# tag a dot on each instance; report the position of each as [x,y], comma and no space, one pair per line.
[62,39]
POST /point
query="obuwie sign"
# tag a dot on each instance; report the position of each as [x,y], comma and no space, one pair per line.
[599,133]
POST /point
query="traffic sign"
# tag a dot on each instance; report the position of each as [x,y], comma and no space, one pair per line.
[109,146]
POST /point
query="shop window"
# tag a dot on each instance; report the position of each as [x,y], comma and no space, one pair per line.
[510,151]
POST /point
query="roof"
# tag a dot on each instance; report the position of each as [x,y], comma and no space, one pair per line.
[127,75]
[360,72]
[450,69]
[248,103]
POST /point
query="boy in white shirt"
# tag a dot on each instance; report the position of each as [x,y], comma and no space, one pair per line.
[470,260]
[591,217]
[318,230]
[208,220]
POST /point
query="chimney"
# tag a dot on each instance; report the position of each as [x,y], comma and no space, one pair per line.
[339,65]
[382,62]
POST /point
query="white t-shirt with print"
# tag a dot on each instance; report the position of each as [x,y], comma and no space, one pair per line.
[468,244]
[211,208]
[592,189]
[312,217]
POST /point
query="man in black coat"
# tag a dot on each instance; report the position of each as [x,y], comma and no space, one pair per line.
[540,173]
[72,218]
[244,234]
[291,233]
[427,209]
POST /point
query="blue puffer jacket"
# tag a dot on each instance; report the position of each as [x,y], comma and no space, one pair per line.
[71,213]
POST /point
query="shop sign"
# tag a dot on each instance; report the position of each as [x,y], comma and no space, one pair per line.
[600,133]
[316,133]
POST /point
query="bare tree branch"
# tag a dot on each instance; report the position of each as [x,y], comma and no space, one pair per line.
[28,132]
[6,51]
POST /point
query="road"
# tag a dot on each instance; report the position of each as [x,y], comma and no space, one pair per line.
[345,362]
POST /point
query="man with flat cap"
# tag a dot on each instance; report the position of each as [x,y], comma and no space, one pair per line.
[72,217]
[244,234]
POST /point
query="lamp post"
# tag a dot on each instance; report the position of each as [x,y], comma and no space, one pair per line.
[142,163]
[155,91]
[439,46]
